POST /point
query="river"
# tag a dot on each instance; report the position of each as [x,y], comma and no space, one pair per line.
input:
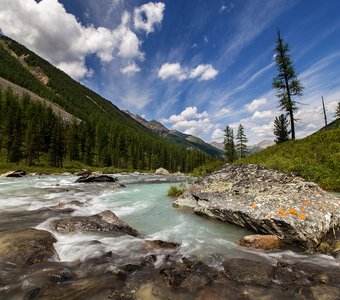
[27,202]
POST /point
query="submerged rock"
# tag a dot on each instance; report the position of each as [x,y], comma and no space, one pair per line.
[105,221]
[158,244]
[96,178]
[26,247]
[162,171]
[265,201]
[259,241]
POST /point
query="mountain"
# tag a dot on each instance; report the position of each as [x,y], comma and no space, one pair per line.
[251,149]
[111,136]
[260,146]
[217,145]
[178,138]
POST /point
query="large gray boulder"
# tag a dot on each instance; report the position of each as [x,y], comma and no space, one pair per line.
[162,171]
[96,178]
[265,201]
[105,221]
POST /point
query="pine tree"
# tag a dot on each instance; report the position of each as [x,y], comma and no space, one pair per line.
[337,112]
[281,129]
[57,146]
[285,82]
[229,145]
[241,139]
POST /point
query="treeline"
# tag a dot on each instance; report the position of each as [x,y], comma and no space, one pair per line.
[32,132]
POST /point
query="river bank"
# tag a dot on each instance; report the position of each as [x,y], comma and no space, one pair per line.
[207,262]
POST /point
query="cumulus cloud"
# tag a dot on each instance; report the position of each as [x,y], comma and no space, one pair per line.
[172,70]
[266,114]
[203,72]
[255,104]
[190,121]
[130,69]
[218,135]
[46,28]
[175,70]
[223,111]
[148,15]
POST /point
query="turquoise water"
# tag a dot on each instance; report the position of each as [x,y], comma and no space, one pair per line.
[27,202]
[145,207]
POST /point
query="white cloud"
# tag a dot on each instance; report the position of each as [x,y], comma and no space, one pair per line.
[255,104]
[172,70]
[190,121]
[218,135]
[46,28]
[226,8]
[202,72]
[130,69]
[148,15]
[223,111]
[266,114]
[205,39]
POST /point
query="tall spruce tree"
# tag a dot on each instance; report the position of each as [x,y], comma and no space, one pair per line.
[281,129]
[286,83]
[337,112]
[229,145]
[241,141]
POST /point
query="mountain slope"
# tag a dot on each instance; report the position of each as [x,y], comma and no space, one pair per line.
[178,138]
[315,158]
[116,139]
[251,149]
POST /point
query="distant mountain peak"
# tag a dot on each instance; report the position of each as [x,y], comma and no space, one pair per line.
[177,137]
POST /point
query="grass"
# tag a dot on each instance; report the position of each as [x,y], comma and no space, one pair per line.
[315,158]
[207,168]
[68,167]
[177,190]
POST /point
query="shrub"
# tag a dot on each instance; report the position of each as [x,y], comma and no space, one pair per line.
[177,190]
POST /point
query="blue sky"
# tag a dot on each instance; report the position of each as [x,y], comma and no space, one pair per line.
[196,66]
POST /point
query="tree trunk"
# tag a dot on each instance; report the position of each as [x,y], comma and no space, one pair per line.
[292,123]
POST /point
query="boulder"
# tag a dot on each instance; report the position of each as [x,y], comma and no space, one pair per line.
[190,275]
[158,244]
[17,173]
[265,201]
[26,247]
[96,178]
[260,241]
[105,221]
[162,171]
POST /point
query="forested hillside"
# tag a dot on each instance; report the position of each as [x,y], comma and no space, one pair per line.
[105,136]
[178,138]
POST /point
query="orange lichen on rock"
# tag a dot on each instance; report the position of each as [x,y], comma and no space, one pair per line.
[306,203]
[301,216]
[282,212]
[254,205]
[292,211]
[302,209]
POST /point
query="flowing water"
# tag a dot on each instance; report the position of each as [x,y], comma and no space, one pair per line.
[27,202]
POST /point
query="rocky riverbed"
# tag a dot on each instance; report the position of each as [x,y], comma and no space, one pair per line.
[266,201]
[65,240]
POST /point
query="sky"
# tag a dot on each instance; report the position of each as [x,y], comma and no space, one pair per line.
[196,66]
